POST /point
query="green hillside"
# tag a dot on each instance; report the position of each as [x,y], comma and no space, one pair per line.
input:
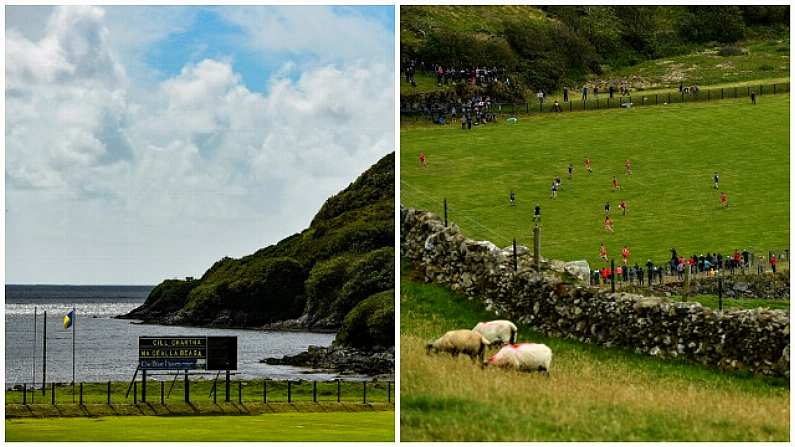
[675,149]
[314,278]
[549,46]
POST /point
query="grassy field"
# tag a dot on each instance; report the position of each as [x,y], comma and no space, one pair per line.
[251,392]
[674,149]
[592,394]
[328,427]
[711,301]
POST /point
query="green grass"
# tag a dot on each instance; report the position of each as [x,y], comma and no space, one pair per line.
[327,427]
[674,150]
[762,61]
[251,392]
[592,394]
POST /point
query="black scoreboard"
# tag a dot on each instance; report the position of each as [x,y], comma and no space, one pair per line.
[188,352]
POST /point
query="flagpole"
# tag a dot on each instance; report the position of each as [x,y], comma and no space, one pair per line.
[44,357]
[35,330]
[74,331]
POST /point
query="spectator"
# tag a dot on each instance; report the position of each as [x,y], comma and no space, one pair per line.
[753,97]
[540,96]
[556,106]
[625,254]
[602,251]
[584,92]
[565,94]
[773,262]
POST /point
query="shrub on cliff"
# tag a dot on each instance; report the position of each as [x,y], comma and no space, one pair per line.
[336,286]
[262,290]
[370,324]
[169,296]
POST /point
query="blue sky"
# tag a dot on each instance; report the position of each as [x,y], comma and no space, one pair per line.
[145,143]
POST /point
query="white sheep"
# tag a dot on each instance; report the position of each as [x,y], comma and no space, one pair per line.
[497,332]
[523,356]
[461,341]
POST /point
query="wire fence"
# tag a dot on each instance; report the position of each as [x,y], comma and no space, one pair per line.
[441,112]
[165,392]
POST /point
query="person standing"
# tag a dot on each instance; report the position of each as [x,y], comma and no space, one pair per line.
[588,165]
[715,180]
[513,198]
[753,97]
[773,262]
[607,208]
[622,205]
[554,189]
[602,251]
[571,171]
[612,89]
[724,200]
[565,94]
[423,161]
[616,186]
[585,92]
[625,254]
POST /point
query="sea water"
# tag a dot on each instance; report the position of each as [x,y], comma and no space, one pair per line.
[106,348]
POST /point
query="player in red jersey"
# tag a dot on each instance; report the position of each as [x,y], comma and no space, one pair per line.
[423,162]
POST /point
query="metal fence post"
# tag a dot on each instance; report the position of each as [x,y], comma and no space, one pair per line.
[515,263]
[162,393]
[265,391]
[24,394]
[109,403]
[364,392]
[143,386]
[709,95]
[570,102]
[52,387]
[445,212]
[774,89]
[721,93]
[735,92]
[135,393]
[81,393]
[314,391]
[389,391]
[289,393]
[240,392]
[338,390]
[656,99]
[669,98]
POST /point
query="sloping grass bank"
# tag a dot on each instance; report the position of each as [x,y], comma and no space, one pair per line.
[592,394]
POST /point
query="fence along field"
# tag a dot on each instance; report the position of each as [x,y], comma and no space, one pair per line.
[674,149]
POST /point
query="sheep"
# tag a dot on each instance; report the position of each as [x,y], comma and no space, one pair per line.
[497,332]
[523,357]
[461,341]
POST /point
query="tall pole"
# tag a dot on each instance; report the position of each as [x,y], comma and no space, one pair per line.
[537,246]
[44,358]
[35,330]
[445,212]
[74,332]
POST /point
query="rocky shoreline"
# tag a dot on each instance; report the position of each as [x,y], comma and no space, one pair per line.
[341,360]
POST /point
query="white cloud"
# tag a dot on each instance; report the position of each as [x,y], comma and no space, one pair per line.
[319,31]
[166,179]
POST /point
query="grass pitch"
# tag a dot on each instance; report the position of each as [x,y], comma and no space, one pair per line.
[674,149]
[592,394]
[327,427]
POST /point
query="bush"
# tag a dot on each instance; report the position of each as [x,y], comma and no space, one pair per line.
[371,324]
[731,51]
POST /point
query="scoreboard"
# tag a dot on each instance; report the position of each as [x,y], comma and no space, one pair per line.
[187,352]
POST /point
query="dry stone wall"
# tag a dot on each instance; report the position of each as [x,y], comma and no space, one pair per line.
[555,302]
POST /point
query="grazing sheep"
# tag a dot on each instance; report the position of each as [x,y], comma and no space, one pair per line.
[497,332]
[524,357]
[461,341]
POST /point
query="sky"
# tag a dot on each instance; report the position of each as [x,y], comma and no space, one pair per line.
[145,143]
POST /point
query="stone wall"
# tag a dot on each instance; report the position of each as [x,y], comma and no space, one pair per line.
[767,286]
[553,301]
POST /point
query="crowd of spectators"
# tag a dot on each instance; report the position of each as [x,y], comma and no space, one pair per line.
[447,75]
